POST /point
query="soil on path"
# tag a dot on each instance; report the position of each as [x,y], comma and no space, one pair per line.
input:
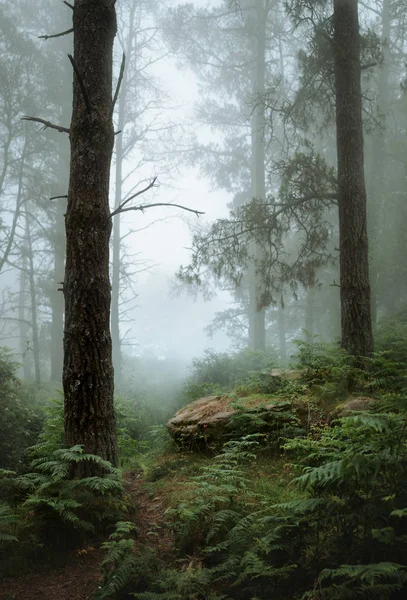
[80,577]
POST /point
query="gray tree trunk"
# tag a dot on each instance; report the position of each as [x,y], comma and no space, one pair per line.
[57,300]
[61,187]
[282,333]
[309,311]
[33,302]
[24,329]
[257,313]
[378,163]
[115,317]
[356,325]
[88,368]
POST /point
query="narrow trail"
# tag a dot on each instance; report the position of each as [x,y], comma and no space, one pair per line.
[80,576]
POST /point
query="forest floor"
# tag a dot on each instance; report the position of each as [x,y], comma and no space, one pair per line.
[79,577]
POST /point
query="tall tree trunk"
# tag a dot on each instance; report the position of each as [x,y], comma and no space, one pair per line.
[282,333]
[115,319]
[57,300]
[61,187]
[378,163]
[88,369]
[23,322]
[33,302]
[22,315]
[257,313]
[356,325]
[309,311]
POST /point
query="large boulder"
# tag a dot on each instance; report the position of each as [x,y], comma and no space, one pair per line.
[209,422]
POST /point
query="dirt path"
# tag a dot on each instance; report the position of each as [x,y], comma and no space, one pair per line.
[80,577]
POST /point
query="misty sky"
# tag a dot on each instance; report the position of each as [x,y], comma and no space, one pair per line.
[170,323]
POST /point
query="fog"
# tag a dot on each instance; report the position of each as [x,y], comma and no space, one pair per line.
[226,109]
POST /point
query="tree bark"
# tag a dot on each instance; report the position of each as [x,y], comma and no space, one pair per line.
[88,368]
[356,326]
[257,313]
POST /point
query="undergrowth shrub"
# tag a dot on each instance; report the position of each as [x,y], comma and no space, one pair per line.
[218,373]
[56,509]
[124,564]
[332,374]
[342,535]
[20,423]
[274,424]
[217,496]
[355,478]
[45,509]
[391,336]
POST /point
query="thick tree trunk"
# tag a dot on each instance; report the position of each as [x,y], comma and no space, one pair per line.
[88,369]
[356,326]
[257,313]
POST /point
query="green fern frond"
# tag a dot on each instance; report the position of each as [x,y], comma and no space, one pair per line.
[119,565]
[378,581]
[102,485]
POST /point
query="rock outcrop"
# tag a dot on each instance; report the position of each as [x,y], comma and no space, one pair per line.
[211,421]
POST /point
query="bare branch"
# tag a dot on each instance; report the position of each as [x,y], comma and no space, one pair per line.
[68,5]
[119,209]
[56,197]
[55,35]
[119,82]
[46,124]
[81,84]
[144,206]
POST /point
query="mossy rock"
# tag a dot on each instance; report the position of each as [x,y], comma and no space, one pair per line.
[209,422]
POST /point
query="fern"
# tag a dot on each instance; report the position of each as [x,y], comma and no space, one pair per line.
[47,496]
[378,581]
[119,565]
[191,584]
[8,521]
